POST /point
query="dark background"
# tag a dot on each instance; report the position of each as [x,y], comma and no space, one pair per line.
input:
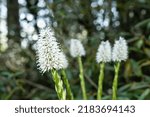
[91,21]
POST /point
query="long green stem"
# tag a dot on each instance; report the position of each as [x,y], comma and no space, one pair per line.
[58,85]
[100,81]
[82,82]
[66,82]
[115,82]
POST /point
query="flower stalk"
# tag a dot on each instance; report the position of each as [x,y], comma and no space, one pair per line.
[66,82]
[81,76]
[115,81]
[61,92]
[100,81]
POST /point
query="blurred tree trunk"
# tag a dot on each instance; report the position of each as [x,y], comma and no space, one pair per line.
[33,9]
[13,20]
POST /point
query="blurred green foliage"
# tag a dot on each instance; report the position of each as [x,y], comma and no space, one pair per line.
[20,79]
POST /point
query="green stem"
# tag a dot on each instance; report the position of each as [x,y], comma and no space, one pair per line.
[82,82]
[58,85]
[66,82]
[100,81]
[115,82]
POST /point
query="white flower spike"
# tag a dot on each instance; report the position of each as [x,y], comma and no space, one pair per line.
[120,50]
[76,48]
[49,55]
[104,52]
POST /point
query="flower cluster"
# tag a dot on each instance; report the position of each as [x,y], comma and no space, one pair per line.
[76,48]
[119,51]
[49,55]
[104,52]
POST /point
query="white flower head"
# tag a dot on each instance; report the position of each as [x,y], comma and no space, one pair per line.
[49,55]
[104,52]
[120,50]
[76,48]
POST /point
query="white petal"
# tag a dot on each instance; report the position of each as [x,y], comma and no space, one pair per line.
[76,48]
[49,55]
[120,50]
[104,52]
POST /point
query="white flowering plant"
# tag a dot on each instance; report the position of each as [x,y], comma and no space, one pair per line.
[77,51]
[103,55]
[50,58]
[119,53]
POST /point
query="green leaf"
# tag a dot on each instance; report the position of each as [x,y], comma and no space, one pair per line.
[136,68]
[142,23]
[144,94]
[137,86]
[147,51]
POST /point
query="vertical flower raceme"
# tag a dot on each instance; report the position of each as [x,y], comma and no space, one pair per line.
[120,50]
[119,53]
[49,55]
[103,55]
[76,48]
[104,52]
[51,58]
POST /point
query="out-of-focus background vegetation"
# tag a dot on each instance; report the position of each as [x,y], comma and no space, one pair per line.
[91,21]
